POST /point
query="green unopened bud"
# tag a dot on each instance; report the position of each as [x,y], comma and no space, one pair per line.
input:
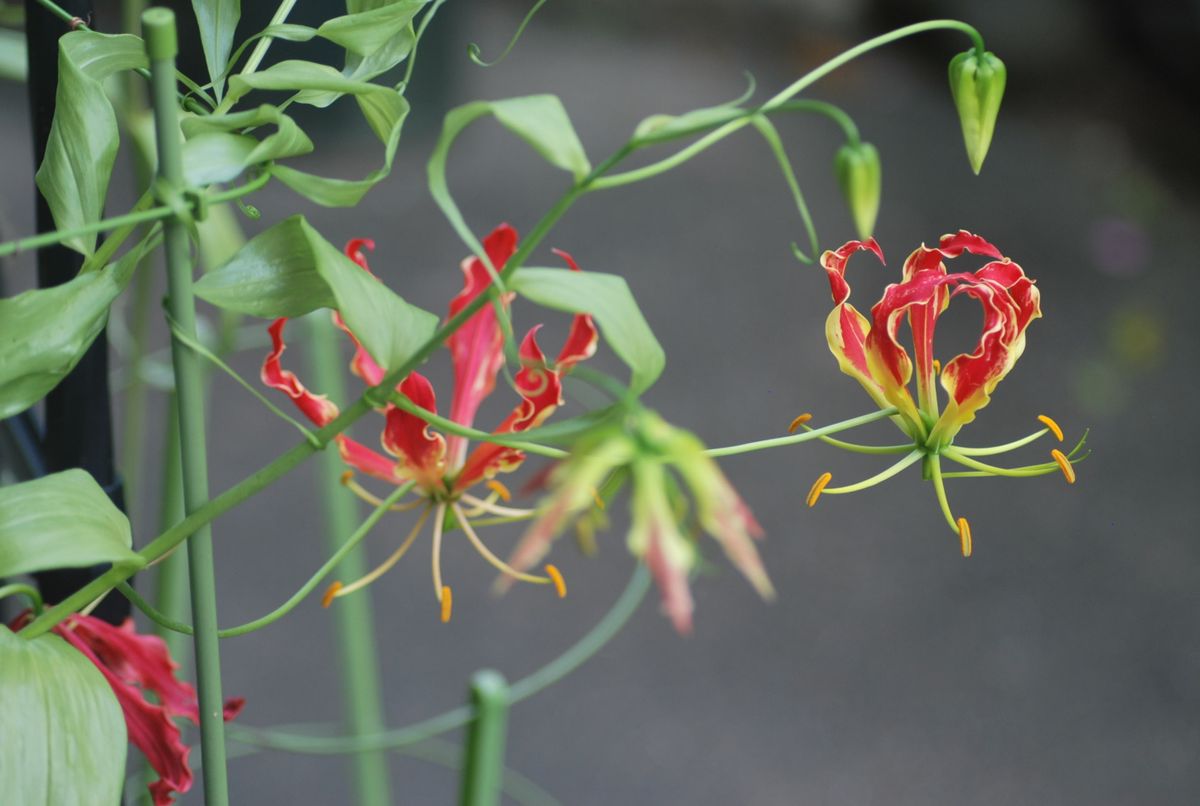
[861,178]
[977,83]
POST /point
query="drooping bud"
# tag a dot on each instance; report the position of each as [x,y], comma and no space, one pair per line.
[977,83]
[861,178]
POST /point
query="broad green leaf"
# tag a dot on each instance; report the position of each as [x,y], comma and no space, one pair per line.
[44,332]
[62,734]
[290,270]
[217,151]
[217,21]
[64,520]
[539,120]
[610,302]
[83,140]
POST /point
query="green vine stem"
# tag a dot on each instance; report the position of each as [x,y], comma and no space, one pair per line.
[361,691]
[21,589]
[158,25]
[483,760]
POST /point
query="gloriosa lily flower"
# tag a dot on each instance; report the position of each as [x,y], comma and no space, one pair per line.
[868,350]
[135,665]
[440,467]
[655,456]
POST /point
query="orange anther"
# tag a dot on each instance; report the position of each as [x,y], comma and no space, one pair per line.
[1064,464]
[1053,426]
[499,489]
[818,486]
[964,536]
[799,421]
[937,367]
[330,594]
[560,587]
[347,476]
[597,499]
[447,603]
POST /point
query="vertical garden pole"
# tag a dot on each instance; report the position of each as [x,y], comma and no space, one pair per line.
[483,762]
[158,28]
[355,623]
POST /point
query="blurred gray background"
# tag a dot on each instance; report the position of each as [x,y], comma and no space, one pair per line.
[1059,665]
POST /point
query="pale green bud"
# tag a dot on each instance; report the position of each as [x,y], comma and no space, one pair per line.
[977,83]
[861,178]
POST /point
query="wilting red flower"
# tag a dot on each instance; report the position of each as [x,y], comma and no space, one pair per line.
[135,665]
[441,466]
[870,352]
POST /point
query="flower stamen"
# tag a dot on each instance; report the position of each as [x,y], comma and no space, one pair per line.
[479,505]
[330,594]
[1064,464]
[560,587]
[1054,427]
[447,601]
[818,486]
[364,494]
[964,536]
[338,590]
[439,521]
[878,478]
[499,489]
[799,421]
[495,561]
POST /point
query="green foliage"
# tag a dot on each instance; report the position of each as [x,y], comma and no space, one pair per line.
[217,21]
[608,299]
[217,151]
[64,520]
[44,332]
[83,139]
[290,270]
[62,736]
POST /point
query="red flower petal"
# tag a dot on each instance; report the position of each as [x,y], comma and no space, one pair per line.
[361,364]
[406,436]
[478,346]
[672,581]
[581,341]
[315,407]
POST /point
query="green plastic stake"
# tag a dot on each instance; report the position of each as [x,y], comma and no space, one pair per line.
[483,760]
[158,28]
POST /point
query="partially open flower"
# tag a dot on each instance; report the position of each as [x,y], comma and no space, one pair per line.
[656,457]
[136,666]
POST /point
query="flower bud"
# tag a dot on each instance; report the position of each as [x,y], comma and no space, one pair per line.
[861,178]
[977,84]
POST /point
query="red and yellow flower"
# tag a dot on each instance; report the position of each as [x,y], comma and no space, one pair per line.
[869,350]
[440,467]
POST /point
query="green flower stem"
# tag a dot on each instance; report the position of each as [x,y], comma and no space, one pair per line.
[551,673]
[448,425]
[777,102]
[878,477]
[171,593]
[127,221]
[21,589]
[793,439]
[361,691]
[343,551]
[483,761]
[158,25]
[872,450]
[426,18]
[834,113]
[1005,448]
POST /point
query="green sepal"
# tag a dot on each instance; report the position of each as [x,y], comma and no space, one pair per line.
[290,270]
[861,178]
[977,84]
[64,520]
[62,734]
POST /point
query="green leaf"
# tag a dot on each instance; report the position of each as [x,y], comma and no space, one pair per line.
[539,120]
[290,270]
[64,520]
[217,21]
[610,302]
[83,140]
[217,151]
[383,108]
[44,332]
[62,738]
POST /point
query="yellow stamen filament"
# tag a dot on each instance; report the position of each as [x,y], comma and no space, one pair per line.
[799,421]
[937,367]
[560,587]
[353,486]
[382,568]
[817,487]
[330,594]
[964,536]
[500,490]
[1064,464]
[599,502]
[1053,426]
[489,506]
[447,600]
[439,519]
[492,559]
